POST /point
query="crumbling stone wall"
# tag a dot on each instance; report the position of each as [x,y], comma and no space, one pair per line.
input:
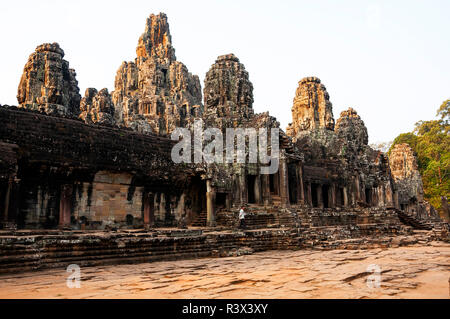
[55,153]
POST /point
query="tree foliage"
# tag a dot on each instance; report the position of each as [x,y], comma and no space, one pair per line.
[430,141]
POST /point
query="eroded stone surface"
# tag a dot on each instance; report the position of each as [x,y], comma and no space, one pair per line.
[155,92]
[97,107]
[408,182]
[406,173]
[48,84]
[351,129]
[312,107]
[228,91]
[406,272]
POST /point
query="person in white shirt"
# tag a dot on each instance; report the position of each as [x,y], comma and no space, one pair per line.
[242,218]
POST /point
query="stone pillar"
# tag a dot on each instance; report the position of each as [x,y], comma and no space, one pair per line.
[243,188]
[162,207]
[257,190]
[389,196]
[382,196]
[332,196]
[319,196]
[210,199]
[149,215]
[300,188]
[7,198]
[344,190]
[358,189]
[310,195]
[265,181]
[65,206]
[284,181]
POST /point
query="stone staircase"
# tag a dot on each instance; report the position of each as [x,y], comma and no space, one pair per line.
[259,217]
[26,252]
[287,218]
[200,220]
[276,200]
[410,220]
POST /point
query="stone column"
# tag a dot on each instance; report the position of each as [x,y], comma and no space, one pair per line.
[357,189]
[310,194]
[265,181]
[257,190]
[210,199]
[149,215]
[344,190]
[319,196]
[243,188]
[284,182]
[65,206]
[300,188]
[388,195]
[332,196]
[381,196]
[162,207]
[7,198]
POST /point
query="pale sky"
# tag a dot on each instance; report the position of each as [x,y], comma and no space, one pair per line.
[389,60]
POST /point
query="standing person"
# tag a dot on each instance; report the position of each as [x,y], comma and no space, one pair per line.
[242,218]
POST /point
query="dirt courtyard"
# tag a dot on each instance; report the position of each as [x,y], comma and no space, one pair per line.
[404,272]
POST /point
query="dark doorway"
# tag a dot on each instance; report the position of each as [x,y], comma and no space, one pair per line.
[272,184]
[341,196]
[251,188]
[221,199]
[293,183]
[315,202]
[325,191]
[368,196]
[197,198]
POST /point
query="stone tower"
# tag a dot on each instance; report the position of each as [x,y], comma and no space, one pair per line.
[48,84]
[405,171]
[155,92]
[312,108]
[228,91]
[351,129]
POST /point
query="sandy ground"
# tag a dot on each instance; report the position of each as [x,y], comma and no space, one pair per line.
[406,272]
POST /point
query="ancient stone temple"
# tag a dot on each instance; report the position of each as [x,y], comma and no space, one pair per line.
[408,182]
[48,84]
[97,176]
[156,93]
[340,169]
